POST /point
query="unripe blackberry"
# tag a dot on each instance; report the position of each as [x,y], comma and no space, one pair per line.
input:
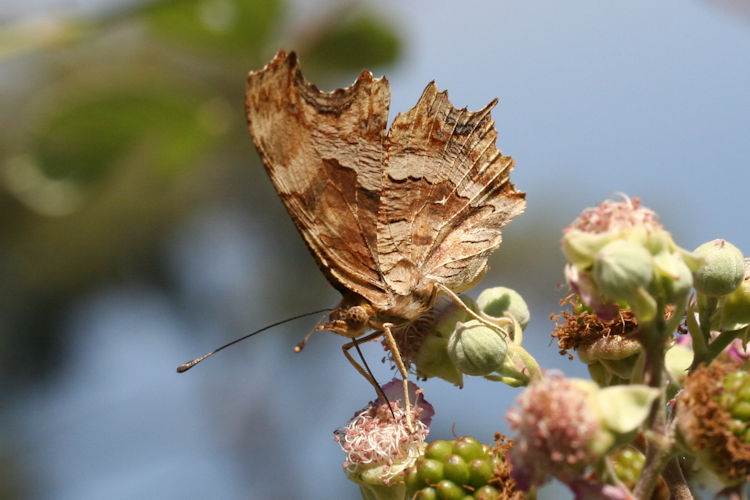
[460,469]
[627,464]
[713,419]
[736,400]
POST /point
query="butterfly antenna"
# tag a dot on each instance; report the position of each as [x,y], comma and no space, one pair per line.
[378,388]
[186,366]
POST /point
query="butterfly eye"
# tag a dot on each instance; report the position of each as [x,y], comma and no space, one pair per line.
[356,318]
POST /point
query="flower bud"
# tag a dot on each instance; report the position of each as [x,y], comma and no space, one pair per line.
[621,268]
[424,342]
[612,347]
[623,271]
[477,349]
[723,271]
[499,300]
[580,247]
[674,275]
[448,313]
[432,360]
[735,310]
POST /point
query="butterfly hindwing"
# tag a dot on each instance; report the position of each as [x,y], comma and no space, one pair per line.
[446,194]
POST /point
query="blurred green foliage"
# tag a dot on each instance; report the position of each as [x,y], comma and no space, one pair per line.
[351,40]
[70,144]
[119,124]
[221,27]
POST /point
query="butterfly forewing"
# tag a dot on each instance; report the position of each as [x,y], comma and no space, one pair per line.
[325,156]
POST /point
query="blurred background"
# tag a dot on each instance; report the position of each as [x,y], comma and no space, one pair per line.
[139,230]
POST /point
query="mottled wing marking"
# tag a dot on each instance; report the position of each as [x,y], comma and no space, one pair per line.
[325,156]
[446,194]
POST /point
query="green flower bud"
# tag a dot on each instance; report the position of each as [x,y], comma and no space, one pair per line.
[723,271]
[432,360]
[497,301]
[448,313]
[675,277]
[657,241]
[735,311]
[431,357]
[611,347]
[477,349]
[622,268]
[580,247]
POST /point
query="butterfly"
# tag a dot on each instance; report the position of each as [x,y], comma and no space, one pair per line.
[392,217]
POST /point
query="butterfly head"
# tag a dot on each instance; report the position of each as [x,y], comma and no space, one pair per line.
[350,319]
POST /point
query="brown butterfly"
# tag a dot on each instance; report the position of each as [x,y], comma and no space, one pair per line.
[392,217]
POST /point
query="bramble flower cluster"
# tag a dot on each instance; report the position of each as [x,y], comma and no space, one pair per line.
[565,427]
[621,257]
[379,445]
[664,333]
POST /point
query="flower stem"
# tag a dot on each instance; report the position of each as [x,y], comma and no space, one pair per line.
[700,345]
[678,487]
[653,336]
[722,341]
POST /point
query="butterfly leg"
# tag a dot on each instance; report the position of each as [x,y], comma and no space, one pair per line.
[359,368]
[460,303]
[402,369]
